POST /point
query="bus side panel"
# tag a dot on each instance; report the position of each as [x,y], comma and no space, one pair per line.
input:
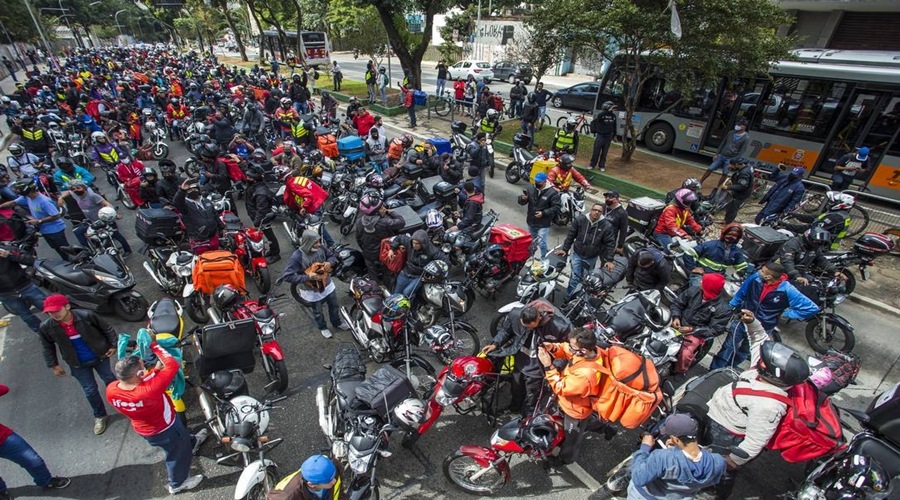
[773,149]
[687,132]
[885,180]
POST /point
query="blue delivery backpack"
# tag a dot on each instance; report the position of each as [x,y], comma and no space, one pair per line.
[420,98]
[441,145]
[351,147]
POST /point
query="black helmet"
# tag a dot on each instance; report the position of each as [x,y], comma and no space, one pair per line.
[608,105]
[858,476]
[208,151]
[166,167]
[64,161]
[566,161]
[225,296]
[24,186]
[593,284]
[374,180]
[316,156]
[253,175]
[493,253]
[258,155]
[816,236]
[148,171]
[531,98]
[227,383]
[541,431]
[781,365]
[435,271]
[692,183]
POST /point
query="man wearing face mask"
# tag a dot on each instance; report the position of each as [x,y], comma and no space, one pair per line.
[784,195]
[741,186]
[614,212]
[197,214]
[804,255]
[419,252]
[593,237]
[715,256]
[376,148]
[733,147]
[543,204]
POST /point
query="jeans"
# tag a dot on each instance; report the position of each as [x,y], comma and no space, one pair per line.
[542,111]
[580,268]
[528,129]
[516,105]
[85,376]
[370,90]
[664,239]
[22,300]
[406,284]
[840,182]
[735,349]
[601,148]
[17,450]
[81,236]
[319,315]
[731,210]
[56,242]
[540,234]
[178,445]
[383,96]
[412,115]
[439,88]
[720,163]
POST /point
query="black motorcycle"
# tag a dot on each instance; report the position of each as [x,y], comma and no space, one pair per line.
[460,246]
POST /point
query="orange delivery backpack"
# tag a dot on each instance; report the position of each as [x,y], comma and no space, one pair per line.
[217,267]
[629,389]
[327,144]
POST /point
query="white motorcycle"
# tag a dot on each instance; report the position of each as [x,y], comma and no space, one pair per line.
[571,204]
[246,436]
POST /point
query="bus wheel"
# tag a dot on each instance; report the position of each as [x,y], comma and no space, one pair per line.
[659,137]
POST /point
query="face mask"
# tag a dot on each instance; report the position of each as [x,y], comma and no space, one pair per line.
[738,128]
[730,239]
[194,195]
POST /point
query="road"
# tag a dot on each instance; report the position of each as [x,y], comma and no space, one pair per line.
[52,414]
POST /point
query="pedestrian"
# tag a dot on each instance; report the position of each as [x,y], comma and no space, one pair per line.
[541,96]
[11,67]
[44,215]
[741,187]
[784,196]
[517,98]
[371,80]
[470,90]
[529,118]
[319,477]
[383,83]
[17,292]
[91,204]
[614,212]
[734,146]
[593,237]
[441,78]
[543,204]
[337,76]
[86,343]
[679,470]
[848,167]
[409,102]
[274,66]
[419,253]
[143,399]
[375,223]
[14,448]
[310,267]
[479,158]
[604,127]
[459,91]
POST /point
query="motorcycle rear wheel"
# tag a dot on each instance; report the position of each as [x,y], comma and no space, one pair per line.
[513,172]
[831,335]
[260,491]
[459,467]
[495,323]
[421,374]
[196,309]
[130,308]
[263,280]
[160,151]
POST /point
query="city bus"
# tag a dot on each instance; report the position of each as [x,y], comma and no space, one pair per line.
[806,112]
[313,45]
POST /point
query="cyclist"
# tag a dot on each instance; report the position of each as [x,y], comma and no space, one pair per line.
[835,219]
[566,139]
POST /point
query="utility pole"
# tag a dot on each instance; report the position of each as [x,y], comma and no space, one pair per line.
[37,25]
[9,38]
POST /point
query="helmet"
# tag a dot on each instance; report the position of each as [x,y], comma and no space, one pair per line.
[166,167]
[434,218]
[566,161]
[324,93]
[374,180]
[24,186]
[227,383]
[146,112]
[541,431]
[316,156]
[148,171]
[96,136]
[370,203]
[492,114]
[285,101]
[493,253]
[407,140]
[685,197]
[258,155]
[410,413]
[225,296]
[531,98]
[174,101]
[570,124]
[208,151]
[253,175]
[781,364]
[858,476]
[435,271]
[692,183]
[839,201]
[816,236]
[16,149]
[593,284]
[64,161]
[873,244]
[395,307]
[608,105]
[107,214]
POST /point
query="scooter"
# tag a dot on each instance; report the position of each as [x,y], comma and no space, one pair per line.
[98,282]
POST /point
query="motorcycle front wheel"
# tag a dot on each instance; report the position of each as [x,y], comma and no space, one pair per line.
[196,309]
[825,334]
[465,343]
[126,199]
[263,279]
[160,151]
[421,374]
[260,490]
[513,172]
[495,323]
[276,371]
[129,307]
[459,468]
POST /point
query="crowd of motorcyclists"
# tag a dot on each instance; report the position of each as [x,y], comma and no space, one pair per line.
[255,136]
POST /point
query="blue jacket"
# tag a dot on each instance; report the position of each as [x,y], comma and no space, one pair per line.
[714,256]
[784,195]
[670,474]
[784,299]
[62,179]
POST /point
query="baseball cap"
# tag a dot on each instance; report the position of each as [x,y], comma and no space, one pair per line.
[318,469]
[540,177]
[679,424]
[55,302]
[798,171]
[862,153]
[611,194]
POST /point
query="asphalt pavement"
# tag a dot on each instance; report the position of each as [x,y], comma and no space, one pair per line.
[52,414]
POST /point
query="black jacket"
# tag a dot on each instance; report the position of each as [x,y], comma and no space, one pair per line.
[471,212]
[591,240]
[149,193]
[12,274]
[224,131]
[656,276]
[371,229]
[166,188]
[604,123]
[259,199]
[742,183]
[96,333]
[708,318]
[529,113]
[199,217]
[253,121]
[217,176]
[513,338]
[546,201]
[798,258]
[453,174]
[518,93]
[416,260]
[618,219]
[298,93]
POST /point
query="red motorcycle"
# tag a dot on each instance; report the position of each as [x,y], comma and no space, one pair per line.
[250,245]
[479,470]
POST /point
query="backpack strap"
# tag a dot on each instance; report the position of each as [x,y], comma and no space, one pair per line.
[744,391]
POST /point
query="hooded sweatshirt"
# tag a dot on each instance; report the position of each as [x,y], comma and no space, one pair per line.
[670,474]
[416,260]
[472,210]
[591,239]
[301,259]
[371,229]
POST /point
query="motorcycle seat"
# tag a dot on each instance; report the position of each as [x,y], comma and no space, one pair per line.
[346,391]
[392,190]
[372,305]
[68,272]
[165,318]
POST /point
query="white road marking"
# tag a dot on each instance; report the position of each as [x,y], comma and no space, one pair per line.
[582,475]
[6,318]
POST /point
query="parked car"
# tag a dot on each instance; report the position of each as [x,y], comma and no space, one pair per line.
[510,71]
[580,96]
[478,69]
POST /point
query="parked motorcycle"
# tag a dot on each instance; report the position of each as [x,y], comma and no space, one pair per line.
[245,435]
[862,255]
[827,329]
[489,270]
[98,282]
[459,245]
[251,247]
[300,223]
[522,159]
[540,282]
[571,204]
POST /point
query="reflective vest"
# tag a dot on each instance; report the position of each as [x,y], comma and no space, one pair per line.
[35,134]
[111,157]
[299,130]
[564,140]
[487,126]
[284,114]
[178,113]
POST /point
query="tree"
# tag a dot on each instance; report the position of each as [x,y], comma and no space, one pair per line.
[463,23]
[222,5]
[18,23]
[540,46]
[370,36]
[730,38]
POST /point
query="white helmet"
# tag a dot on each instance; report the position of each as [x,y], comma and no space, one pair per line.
[107,214]
[434,219]
[491,113]
[410,413]
[146,112]
[95,136]
[839,201]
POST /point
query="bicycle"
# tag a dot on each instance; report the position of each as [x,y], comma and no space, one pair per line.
[441,105]
[582,125]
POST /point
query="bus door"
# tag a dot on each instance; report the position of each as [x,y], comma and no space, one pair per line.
[854,129]
[739,99]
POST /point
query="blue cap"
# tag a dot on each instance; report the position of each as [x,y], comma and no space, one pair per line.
[862,153]
[540,177]
[798,171]
[318,469]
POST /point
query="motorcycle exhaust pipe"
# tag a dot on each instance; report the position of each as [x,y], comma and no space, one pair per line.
[213,315]
[324,419]
[152,274]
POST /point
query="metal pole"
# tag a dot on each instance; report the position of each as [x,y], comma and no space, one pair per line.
[40,31]
[116,17]
[477,24]
[69,25]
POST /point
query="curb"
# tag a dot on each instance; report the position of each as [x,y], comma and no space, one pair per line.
[874,304]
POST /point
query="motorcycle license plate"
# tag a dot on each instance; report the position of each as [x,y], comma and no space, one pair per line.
[887,396]
[326,177]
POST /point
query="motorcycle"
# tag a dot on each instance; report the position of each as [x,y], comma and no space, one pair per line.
[860,255]
[459,245]
[438,296]
[489,270]
[540,281]
[571,204]
[459,140]
[251,247]
[520,166]
[98,282]
[300,223]
[100,240]
[827,329]
[245,435]
[479,470]
[156,147]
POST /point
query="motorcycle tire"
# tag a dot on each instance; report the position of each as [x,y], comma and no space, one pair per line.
[196,309]
[491,168]
[191,168]
[335,211]
[496,399]
[130,308]
[260,490]
[849,281]
[263,279]
[466,344]
[421,374]
[276,371]
[458,467]
[346,227]
[160,151]
[822,341]
[495,323]
[513,172]
[126,199]
[111,178]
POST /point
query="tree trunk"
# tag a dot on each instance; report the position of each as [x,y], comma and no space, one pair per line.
[411,62]
[282,36]
[237,34]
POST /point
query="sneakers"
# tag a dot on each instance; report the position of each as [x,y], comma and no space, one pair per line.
[326,333]
[189,483]
[343,326]
[57,483]
[603,169]
[200,437]
[100,425]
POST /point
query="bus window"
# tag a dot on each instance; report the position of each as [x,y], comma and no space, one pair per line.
[613,88]
[699,104]
[802,106]
[885,127]
[313,37]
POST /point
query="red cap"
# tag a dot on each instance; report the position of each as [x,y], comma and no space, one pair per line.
[712,285]
[55,302]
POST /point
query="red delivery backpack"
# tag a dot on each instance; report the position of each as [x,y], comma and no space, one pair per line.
[302,193]
[810,429]
[234,169]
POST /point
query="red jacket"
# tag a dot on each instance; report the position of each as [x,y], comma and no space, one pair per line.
[562,179]
[673,219]
[364,123]
[148,406]
[5,431]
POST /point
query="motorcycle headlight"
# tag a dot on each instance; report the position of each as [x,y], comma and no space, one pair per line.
[358,463]
[446,248]
[258,246]
[240,445]
[268,328]
[112,280]
[809,491]
[522,288]
[497,441]
[185,271]
[444,399]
